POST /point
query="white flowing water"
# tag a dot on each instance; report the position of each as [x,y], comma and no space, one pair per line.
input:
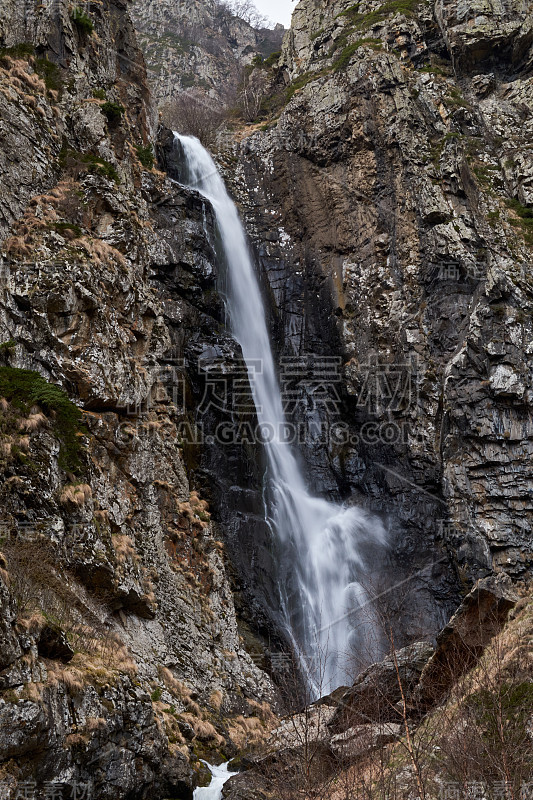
[214,790]
[323,604]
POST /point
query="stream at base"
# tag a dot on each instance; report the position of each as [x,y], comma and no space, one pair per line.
[220,775]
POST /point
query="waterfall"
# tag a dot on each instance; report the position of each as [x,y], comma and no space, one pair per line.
[323,604]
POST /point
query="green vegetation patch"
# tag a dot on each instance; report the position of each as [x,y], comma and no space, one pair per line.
[525,218]
[505,712]
[274,103]
[342,61]
[360,21]
[302,81]
[25,388]
[145,155]
[24,51]
[112,111]
[82,21]
[87,162]
[438,148]
[522,211]
[434,70]
[46,69]
[50,73]
[267,63]
[456,99]
[99,94]
[68,228]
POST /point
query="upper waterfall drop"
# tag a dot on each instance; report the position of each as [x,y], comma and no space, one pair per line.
[323,603]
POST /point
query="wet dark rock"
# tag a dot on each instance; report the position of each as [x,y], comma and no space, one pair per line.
[53,643]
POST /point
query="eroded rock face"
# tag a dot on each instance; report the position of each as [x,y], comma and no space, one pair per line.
[486,34]
[120,657]
[388,201]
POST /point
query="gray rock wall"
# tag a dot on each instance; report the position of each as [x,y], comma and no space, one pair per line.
[104,543]
[387,194]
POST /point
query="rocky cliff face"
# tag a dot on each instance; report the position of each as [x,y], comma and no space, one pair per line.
[387,190]
[120,658]
[198,46]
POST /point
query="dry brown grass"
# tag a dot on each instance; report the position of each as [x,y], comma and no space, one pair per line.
[76,740]
[33,423]
[75,494]
[24,443]
[197,504]
[17,247]
[39,589]
[124,548]
[100,252]
[94,724]
[72,679]
[216,700]
[5,446]
[32,624]
[33,692]
[19,71]
[170,725]
[264,712]
[203,730]
[14,480]
[247,732]
[178,689]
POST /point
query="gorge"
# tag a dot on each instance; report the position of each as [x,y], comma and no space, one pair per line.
[266,487]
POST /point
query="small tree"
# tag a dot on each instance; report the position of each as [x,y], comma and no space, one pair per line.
[246,10]
[254,90]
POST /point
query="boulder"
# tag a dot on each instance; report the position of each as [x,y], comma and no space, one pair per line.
[357,741]
[481,616]
[375,694]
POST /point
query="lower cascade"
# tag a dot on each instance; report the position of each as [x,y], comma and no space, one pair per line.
[323,602]
[220,775]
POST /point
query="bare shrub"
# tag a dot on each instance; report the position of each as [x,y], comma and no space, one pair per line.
[194,115]
[484,729]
